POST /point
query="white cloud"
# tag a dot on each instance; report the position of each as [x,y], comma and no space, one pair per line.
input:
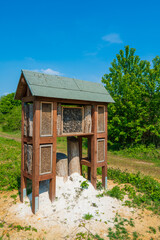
[112,38]
[48,71]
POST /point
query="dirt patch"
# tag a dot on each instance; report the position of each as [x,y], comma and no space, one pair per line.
[60,224]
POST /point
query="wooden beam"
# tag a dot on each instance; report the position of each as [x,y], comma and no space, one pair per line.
[104,168]
[28,99]
[85,162]
[35,164]
[76,134]
[52,184]
[94,147]
[23,178]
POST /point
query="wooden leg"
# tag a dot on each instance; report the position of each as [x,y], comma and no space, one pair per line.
[104,176]
[93,162]
[52,189]
[23,187]
[35,196]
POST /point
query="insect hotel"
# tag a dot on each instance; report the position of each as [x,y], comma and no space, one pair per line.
[54,106]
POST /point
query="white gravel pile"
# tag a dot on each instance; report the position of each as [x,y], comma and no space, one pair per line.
[71,204]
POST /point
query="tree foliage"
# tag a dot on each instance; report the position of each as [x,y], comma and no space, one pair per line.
[135,88]
[10,113]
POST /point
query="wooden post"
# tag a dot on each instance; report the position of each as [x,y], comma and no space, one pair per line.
[94,147]
[23,179]
[80,152]
[104,168]
[52,184]
[35,164]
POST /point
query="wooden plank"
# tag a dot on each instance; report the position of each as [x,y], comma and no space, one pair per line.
[52,184]
[35,166]
[28,99]
[69,101]
[102,135]
[28,140]
[76,134]
[46,140]
[23,178]
[94,147]
[59,119]
[45,177]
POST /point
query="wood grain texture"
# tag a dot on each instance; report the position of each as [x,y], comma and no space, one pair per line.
[62,165]
[104,168]
[59,119]
[23,178]
[30,122]
[94,147]
[73,155]
[36,149]
[52,184]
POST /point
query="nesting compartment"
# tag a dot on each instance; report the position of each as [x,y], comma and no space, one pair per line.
[46,119]
[28,155]
[45,159]
[100,150]
[101,119]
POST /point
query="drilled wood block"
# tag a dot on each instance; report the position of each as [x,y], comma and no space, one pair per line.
[61,165]
[46,119]
[72,120]
[73,155]
[101,122]
[100,150]
[45,158]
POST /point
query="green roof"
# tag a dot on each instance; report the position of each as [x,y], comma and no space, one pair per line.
[45,85]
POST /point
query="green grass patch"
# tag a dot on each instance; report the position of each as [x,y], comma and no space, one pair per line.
[141,152]
[10,158]
[88,216]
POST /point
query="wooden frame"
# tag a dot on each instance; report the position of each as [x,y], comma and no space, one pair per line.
[43,146]
[75,133]
[38,141]
[46,135]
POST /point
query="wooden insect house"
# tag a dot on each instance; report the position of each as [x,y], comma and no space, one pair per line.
[54,106]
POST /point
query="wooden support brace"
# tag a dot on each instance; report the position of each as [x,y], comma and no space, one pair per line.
[104,168]
[80,152]
[94,147]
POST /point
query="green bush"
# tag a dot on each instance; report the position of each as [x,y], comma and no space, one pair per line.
[13,120]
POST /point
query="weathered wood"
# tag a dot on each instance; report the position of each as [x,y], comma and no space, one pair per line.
[80,152]
[89,149]
[104,168]
[73,155]
[62,165]
[52,184]
[35,162]
[87,119]
[94,147]
[30,122]
[59,119]
[23,178]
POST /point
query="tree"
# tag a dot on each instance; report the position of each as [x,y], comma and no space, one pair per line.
[134,86]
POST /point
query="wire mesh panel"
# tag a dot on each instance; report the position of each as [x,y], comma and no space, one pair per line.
[72,120]
[101,117]
[101,150]
[46,119]
[45,159]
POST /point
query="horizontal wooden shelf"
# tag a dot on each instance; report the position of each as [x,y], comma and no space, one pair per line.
[76,134]
[46,176]
[102,135]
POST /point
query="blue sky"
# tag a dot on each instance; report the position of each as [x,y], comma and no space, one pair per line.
[73,38]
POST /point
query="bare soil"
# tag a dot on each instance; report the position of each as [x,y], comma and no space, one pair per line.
[142,220]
